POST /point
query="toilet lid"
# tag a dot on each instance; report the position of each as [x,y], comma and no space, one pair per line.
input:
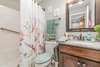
[43,58]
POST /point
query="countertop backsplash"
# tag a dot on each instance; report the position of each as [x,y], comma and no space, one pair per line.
[86,36]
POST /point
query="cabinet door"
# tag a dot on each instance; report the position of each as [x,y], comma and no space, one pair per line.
[69,61]
[87,63]
[61,58]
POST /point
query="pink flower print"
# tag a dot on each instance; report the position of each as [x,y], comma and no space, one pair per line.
[21,36]
[41,47]
[33,48]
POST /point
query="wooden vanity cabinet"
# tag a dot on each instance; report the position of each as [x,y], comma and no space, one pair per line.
[70,56]
[68,61]
[88,63]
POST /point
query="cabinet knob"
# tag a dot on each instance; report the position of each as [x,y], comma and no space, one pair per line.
[78,63]
[83,65]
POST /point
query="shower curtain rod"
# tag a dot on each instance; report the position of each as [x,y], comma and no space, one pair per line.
[8,30]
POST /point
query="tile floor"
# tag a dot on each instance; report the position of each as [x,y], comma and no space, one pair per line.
[9,55]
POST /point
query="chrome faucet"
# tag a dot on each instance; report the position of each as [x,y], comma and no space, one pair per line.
[81,36]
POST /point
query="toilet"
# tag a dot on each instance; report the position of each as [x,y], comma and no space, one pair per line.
[45,59]
[50,45]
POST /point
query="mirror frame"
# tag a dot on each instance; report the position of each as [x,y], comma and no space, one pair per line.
[78,29]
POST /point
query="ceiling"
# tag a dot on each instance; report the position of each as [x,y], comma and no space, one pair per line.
[14,4]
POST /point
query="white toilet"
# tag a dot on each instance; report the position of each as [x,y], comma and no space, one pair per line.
[50,45]
[45,60]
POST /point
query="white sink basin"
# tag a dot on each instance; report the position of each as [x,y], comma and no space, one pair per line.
[85,44]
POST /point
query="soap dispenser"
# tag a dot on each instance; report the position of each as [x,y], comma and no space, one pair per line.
[82,22]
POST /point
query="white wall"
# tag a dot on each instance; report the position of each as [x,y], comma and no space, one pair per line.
[9,18]
[56,4]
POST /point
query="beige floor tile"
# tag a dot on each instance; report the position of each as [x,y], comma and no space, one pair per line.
[9,54]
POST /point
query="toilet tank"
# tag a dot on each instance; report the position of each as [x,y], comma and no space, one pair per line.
[50,45]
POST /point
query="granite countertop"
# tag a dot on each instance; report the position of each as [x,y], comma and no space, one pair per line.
[84,44]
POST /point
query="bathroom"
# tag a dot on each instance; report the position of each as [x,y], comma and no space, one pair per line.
[71,32]
[53,33]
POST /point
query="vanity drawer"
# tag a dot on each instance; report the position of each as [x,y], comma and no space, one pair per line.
[71,61]
[80,52]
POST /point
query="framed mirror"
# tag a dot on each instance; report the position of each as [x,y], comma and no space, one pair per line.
[81,15]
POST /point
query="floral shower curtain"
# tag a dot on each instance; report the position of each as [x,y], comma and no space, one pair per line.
[32,32]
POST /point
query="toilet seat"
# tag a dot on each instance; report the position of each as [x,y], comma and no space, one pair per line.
[43,58]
